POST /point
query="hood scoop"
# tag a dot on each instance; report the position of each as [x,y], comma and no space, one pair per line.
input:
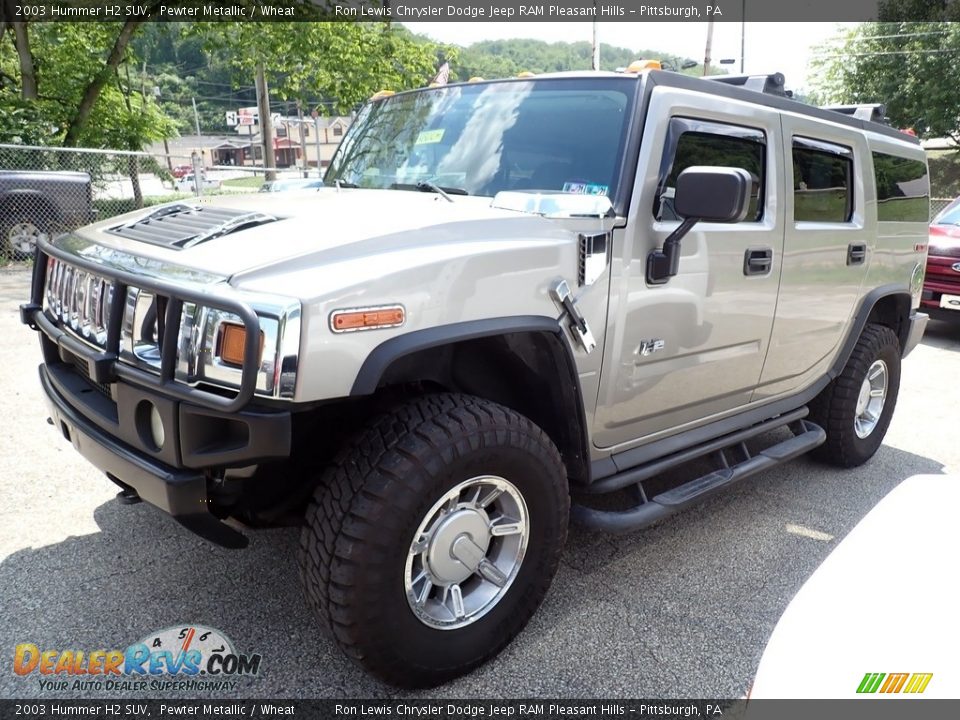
[181,226]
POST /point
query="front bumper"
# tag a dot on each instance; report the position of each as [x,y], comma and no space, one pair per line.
[180,491]
[109,410]
[918,324]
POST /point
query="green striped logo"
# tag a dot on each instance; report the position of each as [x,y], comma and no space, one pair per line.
[912,683]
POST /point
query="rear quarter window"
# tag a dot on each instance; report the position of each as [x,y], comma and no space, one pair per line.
[903,189]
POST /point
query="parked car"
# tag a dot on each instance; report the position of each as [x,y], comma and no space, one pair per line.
[186,183]
[941,286]
[180,170]
[35,204]
[486,321]
[286,185]
[878,618]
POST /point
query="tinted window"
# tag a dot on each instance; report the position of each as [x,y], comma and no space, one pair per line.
[822,182]
[556,135]
[903,188]
[741,148]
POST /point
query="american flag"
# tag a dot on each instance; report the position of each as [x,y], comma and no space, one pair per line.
[442,76]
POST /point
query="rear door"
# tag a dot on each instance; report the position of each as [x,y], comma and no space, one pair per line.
[830,240]
[680,353]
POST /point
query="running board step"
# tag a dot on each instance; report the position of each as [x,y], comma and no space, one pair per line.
[807,436]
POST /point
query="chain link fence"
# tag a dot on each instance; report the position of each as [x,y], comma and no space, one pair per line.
[938,204]
[45,191]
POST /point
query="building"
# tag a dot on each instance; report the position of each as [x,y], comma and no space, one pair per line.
[316,139]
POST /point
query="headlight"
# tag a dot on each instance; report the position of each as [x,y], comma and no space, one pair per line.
[211,343]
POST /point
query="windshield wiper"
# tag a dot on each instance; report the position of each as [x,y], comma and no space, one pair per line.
[338,183]
[427,186]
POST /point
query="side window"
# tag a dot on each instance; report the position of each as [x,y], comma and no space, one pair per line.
[696,142]
[822,181]
[903,189]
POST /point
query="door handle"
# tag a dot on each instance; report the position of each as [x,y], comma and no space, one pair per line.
[856,253]
[757,261]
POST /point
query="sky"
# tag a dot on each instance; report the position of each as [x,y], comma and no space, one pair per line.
[770,47]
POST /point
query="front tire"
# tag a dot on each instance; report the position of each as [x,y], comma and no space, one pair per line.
[434,536]
[855,409]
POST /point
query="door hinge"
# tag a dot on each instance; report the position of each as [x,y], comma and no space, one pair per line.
[560,293]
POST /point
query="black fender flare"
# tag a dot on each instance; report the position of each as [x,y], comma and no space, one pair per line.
[862,316]
[380,359]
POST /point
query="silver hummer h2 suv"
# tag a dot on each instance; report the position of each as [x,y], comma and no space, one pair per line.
[511,298]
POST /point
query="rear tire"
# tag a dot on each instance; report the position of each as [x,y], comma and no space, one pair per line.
[856,407]
[395,510]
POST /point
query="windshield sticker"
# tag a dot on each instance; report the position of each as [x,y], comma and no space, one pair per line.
[584,188]
[430,137]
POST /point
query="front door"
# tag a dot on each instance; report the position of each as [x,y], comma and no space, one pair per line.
[681,353]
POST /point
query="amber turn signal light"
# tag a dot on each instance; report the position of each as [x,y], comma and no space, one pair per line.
[233,338]
[367,318]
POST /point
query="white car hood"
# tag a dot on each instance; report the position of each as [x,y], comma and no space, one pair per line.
[884,601]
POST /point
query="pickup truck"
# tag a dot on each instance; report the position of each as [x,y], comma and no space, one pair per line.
[36,203]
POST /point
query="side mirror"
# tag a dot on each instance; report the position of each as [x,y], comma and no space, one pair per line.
[711,194]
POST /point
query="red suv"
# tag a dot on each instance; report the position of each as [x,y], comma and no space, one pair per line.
[941,287]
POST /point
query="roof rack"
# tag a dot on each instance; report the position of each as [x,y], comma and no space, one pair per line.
[873,112]
[771,84]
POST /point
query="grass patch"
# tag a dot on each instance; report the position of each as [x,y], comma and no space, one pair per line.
[251,181]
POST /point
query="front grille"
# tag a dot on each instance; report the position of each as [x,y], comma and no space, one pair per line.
[944,251]
[80,300]
[81,367]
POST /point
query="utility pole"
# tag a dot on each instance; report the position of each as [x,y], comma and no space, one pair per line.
[706,54]
[303,140]
[196,116]
[316,127]
[595,64]
[266,125]
[743,33]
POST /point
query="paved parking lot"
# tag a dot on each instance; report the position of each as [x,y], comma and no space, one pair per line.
[681,610]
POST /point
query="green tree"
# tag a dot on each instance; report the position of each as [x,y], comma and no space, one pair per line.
[343,62]
[505,58]
[909,66]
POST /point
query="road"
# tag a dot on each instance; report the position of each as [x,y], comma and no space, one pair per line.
[681,610]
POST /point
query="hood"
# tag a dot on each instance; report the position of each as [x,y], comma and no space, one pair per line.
[299,229]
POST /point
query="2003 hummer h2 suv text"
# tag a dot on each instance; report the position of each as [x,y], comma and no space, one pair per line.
[510,294]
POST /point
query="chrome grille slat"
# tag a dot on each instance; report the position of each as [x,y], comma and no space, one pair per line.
[79,299]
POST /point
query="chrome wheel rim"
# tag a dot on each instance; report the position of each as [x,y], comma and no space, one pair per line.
[873,395]
[22,237]
[466,552]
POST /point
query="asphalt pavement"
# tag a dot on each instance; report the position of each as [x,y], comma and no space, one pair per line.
[681,610]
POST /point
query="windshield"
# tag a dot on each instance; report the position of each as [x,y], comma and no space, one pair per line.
[563,135]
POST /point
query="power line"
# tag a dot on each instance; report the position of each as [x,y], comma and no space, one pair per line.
[866,38]
[887,52]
